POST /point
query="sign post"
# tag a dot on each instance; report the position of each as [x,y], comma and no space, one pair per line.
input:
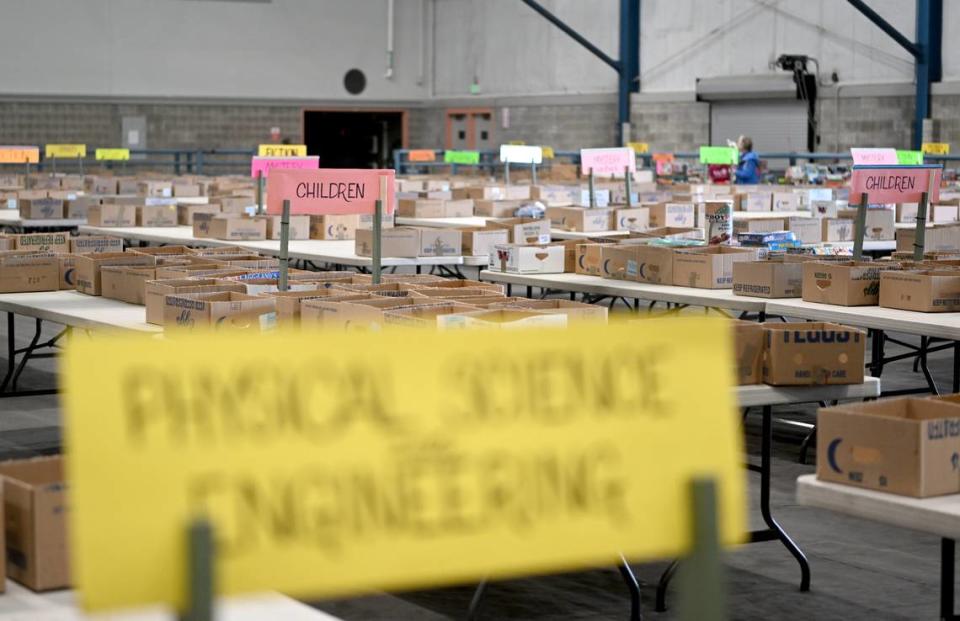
[519,154]
[378,231]
[260,192]
[860,228]
[626,182]
[284,245]
[611,162]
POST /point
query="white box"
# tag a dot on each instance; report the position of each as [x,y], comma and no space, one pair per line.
[528,259]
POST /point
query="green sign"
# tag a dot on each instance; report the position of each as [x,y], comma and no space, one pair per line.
[461,157]
[719,155]
[911,158]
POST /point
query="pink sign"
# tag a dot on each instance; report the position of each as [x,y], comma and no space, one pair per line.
[874,157]
[328,190]
[265,164]
[896,184]
[611,161]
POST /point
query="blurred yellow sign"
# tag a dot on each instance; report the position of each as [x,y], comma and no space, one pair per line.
[518,142]
[639,147]
[117,155]
[282,150]
[65,150]
[19,155]
[332,463]
[936,148]
[547,153]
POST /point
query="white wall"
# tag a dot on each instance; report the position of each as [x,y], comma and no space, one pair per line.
[284,49]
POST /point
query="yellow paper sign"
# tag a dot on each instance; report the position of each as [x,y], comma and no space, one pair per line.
[547,153]
[116,155]
[331,463]
[936,148]
[19,155]
[65,150]
[282,150]
[639,147]
[518,142]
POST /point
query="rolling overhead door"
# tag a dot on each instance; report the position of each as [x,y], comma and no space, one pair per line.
[773,124]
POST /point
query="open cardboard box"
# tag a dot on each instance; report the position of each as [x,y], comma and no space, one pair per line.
[156,290]
[503,318]
[768,279]
[709,267]
[926,291]
[221,309]
[575,311]
[25,271]
[748,345]
[807,354]
[88,266]
[85,244]
[844,283]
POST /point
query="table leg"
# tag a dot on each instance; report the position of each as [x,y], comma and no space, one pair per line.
[947,559]
[529,291]
[509,290]
[474,609]
[418,268]
[956,366]
[922,358]
[876,355]
[11,351]
[633,585]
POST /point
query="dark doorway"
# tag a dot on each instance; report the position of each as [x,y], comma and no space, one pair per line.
[353,139]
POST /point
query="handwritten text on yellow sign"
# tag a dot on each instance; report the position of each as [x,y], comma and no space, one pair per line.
[282,150]
[936,148]
[65,150]
[117,155]
[331,463]
[639,147]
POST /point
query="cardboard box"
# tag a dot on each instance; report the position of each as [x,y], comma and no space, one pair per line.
[68,272]
[523,230]
[299,226]
[35,518]
[768,279]
[396,242]
[709,267]
[77,208]
[837,229]
[233,228]
[844,283]
[880,223]
[126,283]
[157,215]
[756,201]
[288,302]
[496,208]
[112,215]
[25,271]
[823,209]
[937,214]
[420,208]
[632,219]
[334,227]
[7,242]
[479,242]
[935,239]
[678,215]
[927,291]
[42,242]
[155,291]
[40,208]
[672,232]
[88,267]
[638,263]
[759,225]
[223,309]
[425,314]
[458,284]
[86,244]
[525,259]
[899,446]
[440,243]
[503,318]
[807,230]
[101,185]
[580,219]
[155,188]
[589,258]
[352,314]
[802,354]
[185,213]
[748,351]
[574,311]
[235,205]
[186,189]
[785,201]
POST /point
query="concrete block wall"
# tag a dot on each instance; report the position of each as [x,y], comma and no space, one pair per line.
[563,127]
[885,121]
[944,108]
[676,126]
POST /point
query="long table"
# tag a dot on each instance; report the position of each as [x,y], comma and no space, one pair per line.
[939,515]
[10,219]
[335,252]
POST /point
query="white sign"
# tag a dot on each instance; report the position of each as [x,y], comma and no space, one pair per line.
[521,154]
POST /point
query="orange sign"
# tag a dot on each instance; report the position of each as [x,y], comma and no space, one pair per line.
[422,155]
[19,155]
[662,157]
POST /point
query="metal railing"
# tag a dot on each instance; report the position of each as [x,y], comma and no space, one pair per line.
[178,161]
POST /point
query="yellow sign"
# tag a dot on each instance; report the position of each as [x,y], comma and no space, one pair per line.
[639,147]
[331,463]
[19,155]
[65,150]
[282,150]
[117,155]
[936,148]
[518,142]
[547,153]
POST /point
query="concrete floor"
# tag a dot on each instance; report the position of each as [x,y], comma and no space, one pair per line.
[861,570]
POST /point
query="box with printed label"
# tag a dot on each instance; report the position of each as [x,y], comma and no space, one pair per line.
[223,309]
[748,351]
[156,290]
[101,185]
[785,201]
[162,189]
[42,242]
[900,446]
[288,302]
[440,243]
[836,229]
[709,267]
[935,239]
[631,219]
[554,195]
[580,219]
[26,271]
[589,258]
[420,208]
[88,267]
[575,311]
[425,314]
[401,242]
[77,208]
[880,223]
[496,208]
[927,291]
[157,215]
[299,226]
[758,225]
[768,279]
[126,283]
[681,215]
[112,215]
[801,354]
[35,515]
[936,214]
[523,230]
[807,230]
[823,209]
[68,265]
[525,259]
[844,283]
[638,263]
[334,226]
[352,314]
[503,318]
[479,242]
[185,189]
[671,232]
[185,213]
[40,208]
[231,227]
[756,201]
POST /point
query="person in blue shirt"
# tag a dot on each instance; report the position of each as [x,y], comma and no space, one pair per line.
[748,170]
